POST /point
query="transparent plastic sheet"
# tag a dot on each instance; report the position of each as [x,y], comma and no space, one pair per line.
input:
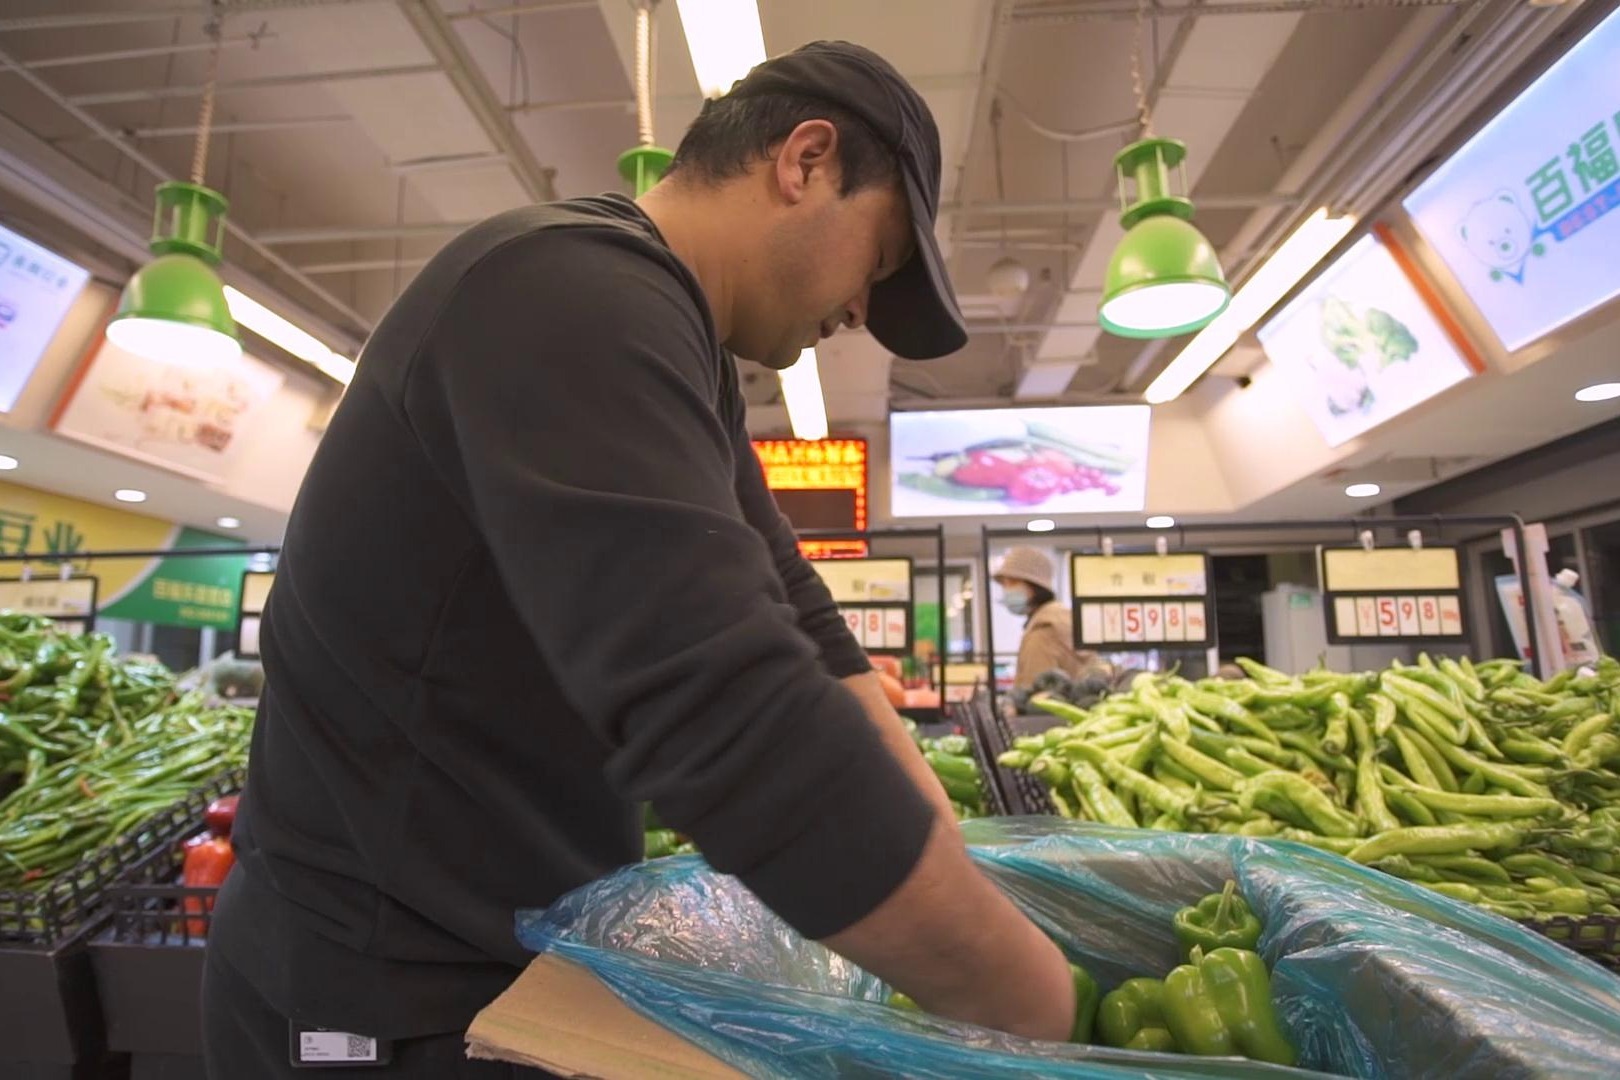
[1373,977]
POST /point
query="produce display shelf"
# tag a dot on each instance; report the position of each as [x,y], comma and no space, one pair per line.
[51,1018]
[52,915]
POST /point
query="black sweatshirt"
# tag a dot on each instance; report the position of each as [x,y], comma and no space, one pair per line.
[534,577]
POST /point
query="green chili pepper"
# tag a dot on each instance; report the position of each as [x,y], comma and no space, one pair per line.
[1402,802]
[1318,809]
[1205,769]
[1087,996]
[1220,919]
[1438,840]
[1220,1004]
[1099,796]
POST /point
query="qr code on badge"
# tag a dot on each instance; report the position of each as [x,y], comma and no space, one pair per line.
[361,1048]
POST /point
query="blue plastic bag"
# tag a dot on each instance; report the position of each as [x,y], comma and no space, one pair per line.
[1373,977]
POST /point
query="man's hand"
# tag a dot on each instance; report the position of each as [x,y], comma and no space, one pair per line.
[960,949]
[899,742]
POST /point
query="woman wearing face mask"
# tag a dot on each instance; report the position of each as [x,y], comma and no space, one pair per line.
[1026,578]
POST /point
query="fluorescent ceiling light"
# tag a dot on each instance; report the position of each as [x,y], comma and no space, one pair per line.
[229,522]
[1041,525]
[1362,491]
[801,389]
[1161,521]
[724,39]
[129,495]
[1603,391]
[7,463]
[1297,256]
[278,331]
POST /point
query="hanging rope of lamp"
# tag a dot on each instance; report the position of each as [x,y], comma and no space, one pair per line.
[1164,278]
[174,309]
[644,164]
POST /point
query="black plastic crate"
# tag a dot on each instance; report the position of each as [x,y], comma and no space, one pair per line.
[1020,793]
[1596,937]
[78,899]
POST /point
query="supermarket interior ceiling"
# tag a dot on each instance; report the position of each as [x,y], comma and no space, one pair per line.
[354,137]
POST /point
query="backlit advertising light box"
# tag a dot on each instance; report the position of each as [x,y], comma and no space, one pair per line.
[1527,214]
[1361,344]
[1075,460]
[37,287]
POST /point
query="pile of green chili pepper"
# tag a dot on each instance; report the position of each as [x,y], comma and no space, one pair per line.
[1476,780]
[61,694]
[110,786]
[951,758]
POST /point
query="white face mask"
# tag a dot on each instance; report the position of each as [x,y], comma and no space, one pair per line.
[1017,599]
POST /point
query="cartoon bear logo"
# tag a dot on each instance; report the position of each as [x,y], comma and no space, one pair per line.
[1499,234]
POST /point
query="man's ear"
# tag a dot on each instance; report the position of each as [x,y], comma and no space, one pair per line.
[809,148]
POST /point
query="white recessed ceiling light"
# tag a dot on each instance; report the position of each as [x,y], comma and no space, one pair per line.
[1041,525]
[1603,391]
[7,462]
[1161,521]
[229,522]
[1362,491]
[129,495]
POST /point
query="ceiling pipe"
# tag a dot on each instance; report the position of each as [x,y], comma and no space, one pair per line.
[347,234]
[157,172]
[203,9]
[145,53]
[268,82]
[451,54]
[533,7]
[1070,11]
[229,127]
[984,97]
[1103,204]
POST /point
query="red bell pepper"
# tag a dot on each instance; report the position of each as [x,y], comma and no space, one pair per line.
[220,817]
[208,860]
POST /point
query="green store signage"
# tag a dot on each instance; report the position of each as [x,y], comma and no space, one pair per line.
[168,590]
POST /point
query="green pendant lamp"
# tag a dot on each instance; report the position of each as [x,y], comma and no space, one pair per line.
[644,164]
[174,309]
[1164,279]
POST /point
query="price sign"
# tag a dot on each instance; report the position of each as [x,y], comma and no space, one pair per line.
[1126,602]
[1153,622]
[70,603]
[1401,593]
[255,591]
[874,596]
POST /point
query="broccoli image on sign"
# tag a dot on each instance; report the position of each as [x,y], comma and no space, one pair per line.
[1365,343]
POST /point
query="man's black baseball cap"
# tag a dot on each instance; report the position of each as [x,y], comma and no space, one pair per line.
[913,312]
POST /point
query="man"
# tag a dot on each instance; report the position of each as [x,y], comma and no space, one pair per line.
[534,577]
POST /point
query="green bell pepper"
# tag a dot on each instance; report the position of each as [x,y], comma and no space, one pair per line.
[1087,996]
[1220,1004]
[1219,920]
[1132,1017]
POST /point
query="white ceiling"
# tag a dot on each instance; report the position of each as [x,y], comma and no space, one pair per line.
[353,140]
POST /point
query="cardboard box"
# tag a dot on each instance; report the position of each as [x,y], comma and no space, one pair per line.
[560,1017]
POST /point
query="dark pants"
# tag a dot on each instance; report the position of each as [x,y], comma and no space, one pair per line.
[245,1039]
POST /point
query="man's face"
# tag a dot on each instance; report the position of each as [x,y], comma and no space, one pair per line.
[821,257]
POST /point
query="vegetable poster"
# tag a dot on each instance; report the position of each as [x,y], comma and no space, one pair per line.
[176,415]
[1087,460]
[1360,345]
